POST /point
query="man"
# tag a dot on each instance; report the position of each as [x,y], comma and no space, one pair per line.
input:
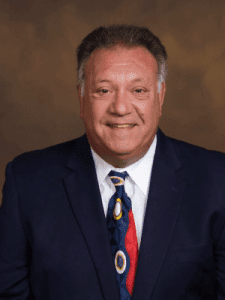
[62,205]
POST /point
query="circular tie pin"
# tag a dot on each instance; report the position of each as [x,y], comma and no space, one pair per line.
[120,262]
[117,212]
[120,180]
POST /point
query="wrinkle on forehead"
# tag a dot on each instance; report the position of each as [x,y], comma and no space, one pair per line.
[105,63]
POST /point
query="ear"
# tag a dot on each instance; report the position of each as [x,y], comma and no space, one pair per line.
[161,95]
[81,100]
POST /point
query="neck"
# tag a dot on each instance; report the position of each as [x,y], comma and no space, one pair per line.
[121,161]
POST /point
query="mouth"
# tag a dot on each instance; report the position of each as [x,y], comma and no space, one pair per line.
[121,125]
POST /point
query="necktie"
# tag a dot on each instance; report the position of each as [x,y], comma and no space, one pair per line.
[123,238]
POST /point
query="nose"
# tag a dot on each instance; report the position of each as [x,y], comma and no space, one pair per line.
[121,104]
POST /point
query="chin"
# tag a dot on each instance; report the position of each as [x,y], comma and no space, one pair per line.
[120,151]
[121,148]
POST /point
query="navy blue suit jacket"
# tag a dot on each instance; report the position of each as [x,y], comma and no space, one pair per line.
[54,242]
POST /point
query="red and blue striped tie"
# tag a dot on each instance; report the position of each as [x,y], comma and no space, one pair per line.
[123,238]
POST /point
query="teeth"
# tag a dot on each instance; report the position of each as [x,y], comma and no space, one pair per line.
[120,126]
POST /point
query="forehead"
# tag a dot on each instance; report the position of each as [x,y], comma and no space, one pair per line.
[121,59]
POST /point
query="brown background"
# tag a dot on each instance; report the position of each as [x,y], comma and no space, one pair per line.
[39,103]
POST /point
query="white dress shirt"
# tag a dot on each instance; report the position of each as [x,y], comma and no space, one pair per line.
[136,184]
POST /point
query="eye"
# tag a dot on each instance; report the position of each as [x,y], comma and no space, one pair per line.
[104,91]
[139,91]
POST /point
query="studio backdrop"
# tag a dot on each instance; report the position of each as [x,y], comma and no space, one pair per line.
[38,94]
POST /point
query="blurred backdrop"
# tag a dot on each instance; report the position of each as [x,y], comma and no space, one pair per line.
[38,39]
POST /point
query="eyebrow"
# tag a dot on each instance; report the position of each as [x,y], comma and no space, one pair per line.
[110,81]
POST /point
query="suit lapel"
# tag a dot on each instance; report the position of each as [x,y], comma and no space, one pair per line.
[85,200]
[166,190]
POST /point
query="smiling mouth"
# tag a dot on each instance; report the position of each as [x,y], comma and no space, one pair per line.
[120,126]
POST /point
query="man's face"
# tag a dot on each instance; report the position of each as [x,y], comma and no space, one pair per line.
[121,106]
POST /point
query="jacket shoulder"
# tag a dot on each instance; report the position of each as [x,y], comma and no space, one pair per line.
[53,155]
[188,153]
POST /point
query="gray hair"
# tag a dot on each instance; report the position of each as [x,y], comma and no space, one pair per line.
[124,35]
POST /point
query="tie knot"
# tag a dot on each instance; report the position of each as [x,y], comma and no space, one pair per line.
[117,178]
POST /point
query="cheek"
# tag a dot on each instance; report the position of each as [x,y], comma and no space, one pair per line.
[95,112]
[147,109]
[154,107]
[88,108]
[150,114]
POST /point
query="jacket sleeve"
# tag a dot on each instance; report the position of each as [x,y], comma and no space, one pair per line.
[14,271]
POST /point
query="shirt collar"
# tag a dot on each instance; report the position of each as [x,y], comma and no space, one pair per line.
[139,171]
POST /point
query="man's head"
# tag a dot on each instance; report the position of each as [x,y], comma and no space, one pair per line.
[121,71]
